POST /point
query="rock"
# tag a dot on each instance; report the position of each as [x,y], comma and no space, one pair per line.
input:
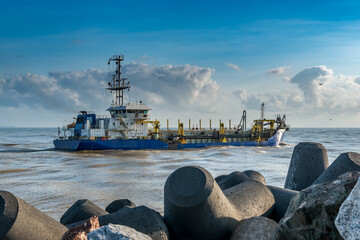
[282,200]
[250,199]
[255,228]
[196,208]
[116,232]
[256,176]
[232,179]
[142,219]
[308,162]
[347,221]
[80,232]
[345,162]
[312,212]
[20,220]
[82,209]
[118,204]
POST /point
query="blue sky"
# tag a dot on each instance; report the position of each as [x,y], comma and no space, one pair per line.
[238,53]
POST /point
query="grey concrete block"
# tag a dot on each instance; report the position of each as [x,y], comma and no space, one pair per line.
[118,204]
[20,220]
[81,210]
[282,201]
[345,162]
[256,176]
[255,228]
[142,219]
[250,199]
[196,208]
[232,179]
[218,178]
[309,160]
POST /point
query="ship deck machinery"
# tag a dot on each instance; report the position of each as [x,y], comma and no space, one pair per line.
[262,133]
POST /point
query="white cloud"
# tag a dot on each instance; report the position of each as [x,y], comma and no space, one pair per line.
[174,86]
[310,82]
[278,70]
[188,87]
[234,66]
[317,91]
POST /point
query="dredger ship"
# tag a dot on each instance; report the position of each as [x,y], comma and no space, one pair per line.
[127,127]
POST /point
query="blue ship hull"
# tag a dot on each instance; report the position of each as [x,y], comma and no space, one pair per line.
[137,144]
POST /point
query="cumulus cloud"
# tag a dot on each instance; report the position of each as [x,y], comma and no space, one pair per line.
[167,86]
[174,85]
[59,91]
[234,66]
[315,88]
[310,81]
[278,70]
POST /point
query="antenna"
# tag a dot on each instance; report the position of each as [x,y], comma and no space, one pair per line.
[117,83]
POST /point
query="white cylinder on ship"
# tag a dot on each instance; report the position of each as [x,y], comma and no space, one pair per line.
[87,125]
[101,123]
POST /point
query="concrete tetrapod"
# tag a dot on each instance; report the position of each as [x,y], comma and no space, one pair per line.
[282,201]
[309,160]
[233,179]
[255,228]
[250,199]
[81,210]
[345,162]
[118,204]
[20,220]
[256,176]
[142,219]
[196,208]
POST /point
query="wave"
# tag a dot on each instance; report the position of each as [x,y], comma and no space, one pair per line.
[26,150]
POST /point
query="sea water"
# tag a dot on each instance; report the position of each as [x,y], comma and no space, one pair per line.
[53,180]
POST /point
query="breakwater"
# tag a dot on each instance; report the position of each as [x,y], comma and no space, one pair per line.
[237,205]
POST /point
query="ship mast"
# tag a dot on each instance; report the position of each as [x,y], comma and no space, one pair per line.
[262,110]
[117,83]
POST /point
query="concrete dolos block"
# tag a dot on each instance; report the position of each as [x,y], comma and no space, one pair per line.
[81,210]
[345,162]
[196,208]
[309,160]
[20,220]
